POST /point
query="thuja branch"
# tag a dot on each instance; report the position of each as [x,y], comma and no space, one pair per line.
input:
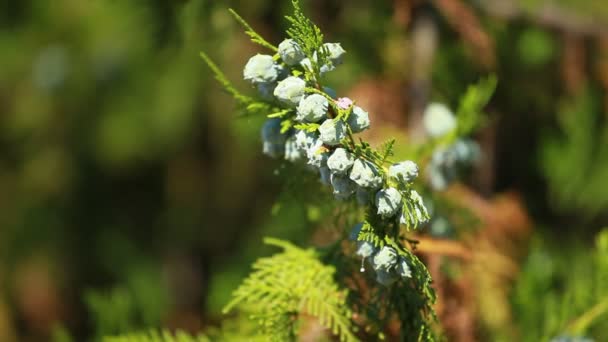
[255,37]
[309,124]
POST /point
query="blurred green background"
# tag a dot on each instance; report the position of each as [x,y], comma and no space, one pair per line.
[132,198]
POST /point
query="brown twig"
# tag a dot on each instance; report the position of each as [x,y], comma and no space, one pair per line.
[465,22]
[451,248]
[547,14]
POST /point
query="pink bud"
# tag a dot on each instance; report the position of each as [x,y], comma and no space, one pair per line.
[344,102]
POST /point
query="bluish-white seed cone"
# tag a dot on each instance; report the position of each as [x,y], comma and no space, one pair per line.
[442,169]
[385,278]
[385,259]
[363,196]
[403,269]
[265,89]
[340,161]
[273,150]
[437,178]
[316,154]
[312,108]
[343,186]
[271,131]
[358,120]
[429,205]
[365,249]
[416,198]
[272,138]
[446,163]
[419,208]
[461,150]
[365,174]
[389,202]
[329,91]
[408,170]
[325,68]
[440,227]
[438,120]
[335,53]
[421,215]
[415,217]
[451,159]
[292,152]
[306,64]
[331,131]
[291,53]
[442,156]
[354,233]
[261,69]
[325,175]
[466,151]
[284,72]
[290,91]
[404,218]
[304,140]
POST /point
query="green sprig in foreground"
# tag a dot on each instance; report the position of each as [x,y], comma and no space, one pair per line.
[291,283]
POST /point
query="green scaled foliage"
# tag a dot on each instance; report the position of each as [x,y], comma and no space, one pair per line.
[469,115]
[246,104]
[386,150]
[236,329]
[112,312]
[471,104]
[157,336]
[308,36]
[136,304]
[304,31]
[575,162]
[223,80]
[289,284]
[570,288]
[255,37]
